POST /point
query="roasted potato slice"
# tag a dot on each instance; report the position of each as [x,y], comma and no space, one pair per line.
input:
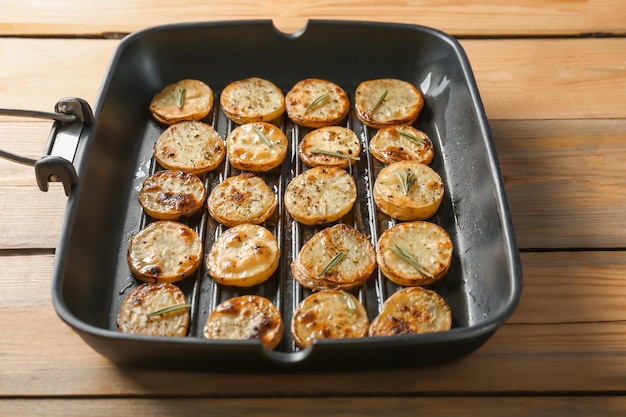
[320,195]
[154,309]
[414,253]
[243,256]
[329,314]
[246,317]
[408,190]
[184,100]
[412,310]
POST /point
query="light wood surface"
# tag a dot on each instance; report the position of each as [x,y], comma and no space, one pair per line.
[555,101]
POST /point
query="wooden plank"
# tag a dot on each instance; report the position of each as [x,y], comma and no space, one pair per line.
[564,181]
[348,406]
[459,17]
[577,78]
[530,353]
[31,218]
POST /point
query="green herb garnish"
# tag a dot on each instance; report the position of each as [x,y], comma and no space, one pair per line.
[262,136]
[407,257]
[406,178]
[349,300]
[316,102]
[179,96]
[333,263]
[412,138]
[337,154]
[168,310]
[379,102]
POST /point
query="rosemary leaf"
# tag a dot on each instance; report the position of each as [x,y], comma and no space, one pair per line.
[168,310]
[349,300]
[333,263]
[379,102]
[337,154]
[414,139]
[262,136]
[179,96]
[407,257]
[406,178]
[316,102]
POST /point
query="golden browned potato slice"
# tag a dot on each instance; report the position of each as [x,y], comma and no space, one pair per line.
[408,190]
[337,257]
[335,146]
[414,253]
[246,317]
[243,256]
[154,309]
[244,198]
[401,143]
[256,147]
[412,310]
[387,101]
[316,103]
[164,251]
[252,100]
[168,195]
[320,195]
[184,100]
[191,147]
[330,314]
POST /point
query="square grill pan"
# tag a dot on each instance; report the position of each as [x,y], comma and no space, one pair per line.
[114,156]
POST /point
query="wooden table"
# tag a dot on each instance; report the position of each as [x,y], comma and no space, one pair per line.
[552,76]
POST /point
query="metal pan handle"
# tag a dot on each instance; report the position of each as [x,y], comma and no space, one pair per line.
[56,165]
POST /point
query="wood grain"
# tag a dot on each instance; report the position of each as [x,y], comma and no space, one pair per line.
[459,17]
[515,406]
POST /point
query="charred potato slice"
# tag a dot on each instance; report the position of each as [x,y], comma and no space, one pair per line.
[329,314]
[168,195]
[412,310]
[246,317]
[164,251]
[401,143]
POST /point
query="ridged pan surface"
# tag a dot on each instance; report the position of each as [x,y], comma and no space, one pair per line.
[92,276]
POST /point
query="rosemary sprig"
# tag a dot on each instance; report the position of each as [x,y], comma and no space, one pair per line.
[262,136]
[406,178]
[412,138]
[379,102]
[179,96]
[333,263]
[337,154]
[407,257]
[316,102]
[168,310]
[349,300]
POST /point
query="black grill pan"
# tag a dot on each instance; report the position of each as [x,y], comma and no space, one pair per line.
[114,156]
